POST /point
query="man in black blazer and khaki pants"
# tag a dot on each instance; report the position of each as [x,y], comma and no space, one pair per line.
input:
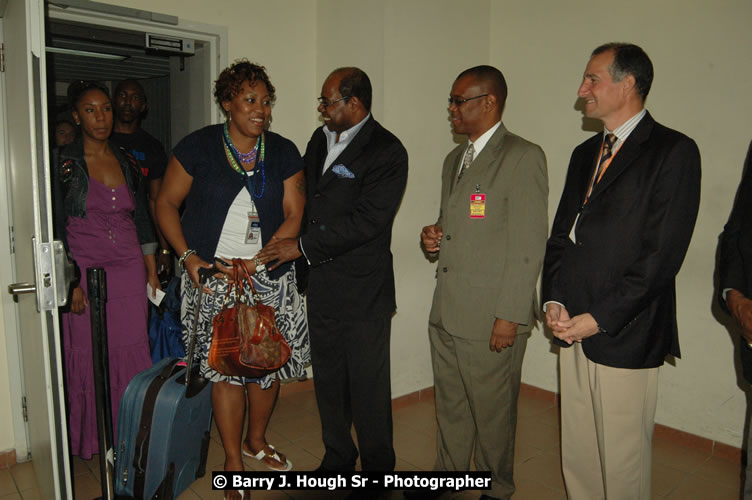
[619,237]
[356,174]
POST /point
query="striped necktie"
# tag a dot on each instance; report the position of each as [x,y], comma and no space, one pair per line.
[607,150]
[467,160]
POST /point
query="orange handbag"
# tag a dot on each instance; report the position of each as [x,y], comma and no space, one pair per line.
[245,339]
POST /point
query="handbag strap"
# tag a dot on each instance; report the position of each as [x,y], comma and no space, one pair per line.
[241,274]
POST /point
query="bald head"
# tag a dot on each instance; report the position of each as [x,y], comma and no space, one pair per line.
[354,82]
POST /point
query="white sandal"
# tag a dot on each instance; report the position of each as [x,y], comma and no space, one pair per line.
[273,455]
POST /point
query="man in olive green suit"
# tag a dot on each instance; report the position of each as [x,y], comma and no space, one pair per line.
[490,238]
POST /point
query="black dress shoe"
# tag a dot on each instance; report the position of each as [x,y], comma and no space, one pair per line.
[321,468]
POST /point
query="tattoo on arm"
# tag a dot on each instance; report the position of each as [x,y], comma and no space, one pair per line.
[300,184]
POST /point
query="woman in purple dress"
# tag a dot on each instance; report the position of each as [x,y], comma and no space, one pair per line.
[102,217]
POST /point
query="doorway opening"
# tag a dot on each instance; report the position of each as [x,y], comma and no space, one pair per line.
[178,85]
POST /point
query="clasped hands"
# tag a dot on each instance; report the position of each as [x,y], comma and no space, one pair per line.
[568,329]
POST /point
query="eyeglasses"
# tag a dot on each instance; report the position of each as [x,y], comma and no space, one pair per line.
[459,102]
[325,102]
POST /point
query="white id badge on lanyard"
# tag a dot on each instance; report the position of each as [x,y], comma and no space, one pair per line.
[253,231]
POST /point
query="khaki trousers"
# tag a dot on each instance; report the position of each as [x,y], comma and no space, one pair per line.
[607,420]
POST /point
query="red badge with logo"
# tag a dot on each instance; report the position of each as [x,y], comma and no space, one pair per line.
[477,206]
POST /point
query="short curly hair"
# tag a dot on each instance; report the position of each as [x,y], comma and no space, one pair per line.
[231,79]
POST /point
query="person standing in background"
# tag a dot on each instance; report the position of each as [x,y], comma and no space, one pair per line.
[101,215]
[129,107]
[735,272]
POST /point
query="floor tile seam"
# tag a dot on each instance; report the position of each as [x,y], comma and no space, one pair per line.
[530,458]
[682,479]
[547,423]
[15,483]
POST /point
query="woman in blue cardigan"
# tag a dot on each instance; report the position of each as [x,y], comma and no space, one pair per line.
[242,187]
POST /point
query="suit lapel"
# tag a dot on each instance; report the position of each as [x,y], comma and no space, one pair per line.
[319,157]
[450,173]
[587,168]
[351,152]
[626,155]
[484,159]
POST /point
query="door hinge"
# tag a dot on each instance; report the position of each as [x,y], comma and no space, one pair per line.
[25,409]
[2,58]
[11,238]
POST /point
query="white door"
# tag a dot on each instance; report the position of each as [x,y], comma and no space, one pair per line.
[30,213]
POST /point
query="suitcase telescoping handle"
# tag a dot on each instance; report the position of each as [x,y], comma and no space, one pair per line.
[96,280]
[203,275]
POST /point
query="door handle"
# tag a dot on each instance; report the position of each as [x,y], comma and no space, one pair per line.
[21,288]
[44,254]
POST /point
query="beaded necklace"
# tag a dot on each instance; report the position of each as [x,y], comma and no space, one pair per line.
[250,180]
[243,157]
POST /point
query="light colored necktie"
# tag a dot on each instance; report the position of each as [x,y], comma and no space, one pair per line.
[467,160]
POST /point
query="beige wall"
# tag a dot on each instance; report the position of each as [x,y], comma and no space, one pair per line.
[701,87]
[412,51]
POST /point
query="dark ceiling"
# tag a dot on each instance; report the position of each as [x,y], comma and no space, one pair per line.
[139,62]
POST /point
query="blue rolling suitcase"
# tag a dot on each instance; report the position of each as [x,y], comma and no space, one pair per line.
[163,429]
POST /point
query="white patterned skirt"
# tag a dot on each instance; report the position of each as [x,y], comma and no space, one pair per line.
[289,309]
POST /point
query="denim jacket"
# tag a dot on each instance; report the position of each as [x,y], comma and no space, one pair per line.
[70,181]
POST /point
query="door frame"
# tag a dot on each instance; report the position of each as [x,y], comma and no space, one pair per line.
[215,36]
[8,275]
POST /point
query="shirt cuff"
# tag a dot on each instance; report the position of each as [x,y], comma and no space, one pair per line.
[545,305]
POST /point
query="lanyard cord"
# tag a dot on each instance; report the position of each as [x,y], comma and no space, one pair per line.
[250,180]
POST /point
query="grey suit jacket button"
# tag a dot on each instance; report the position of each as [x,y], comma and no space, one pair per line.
[445,269]
[449,237]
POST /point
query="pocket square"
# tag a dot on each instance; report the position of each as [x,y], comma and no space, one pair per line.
[342,172]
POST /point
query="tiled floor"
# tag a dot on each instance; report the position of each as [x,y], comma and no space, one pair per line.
[679,471]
